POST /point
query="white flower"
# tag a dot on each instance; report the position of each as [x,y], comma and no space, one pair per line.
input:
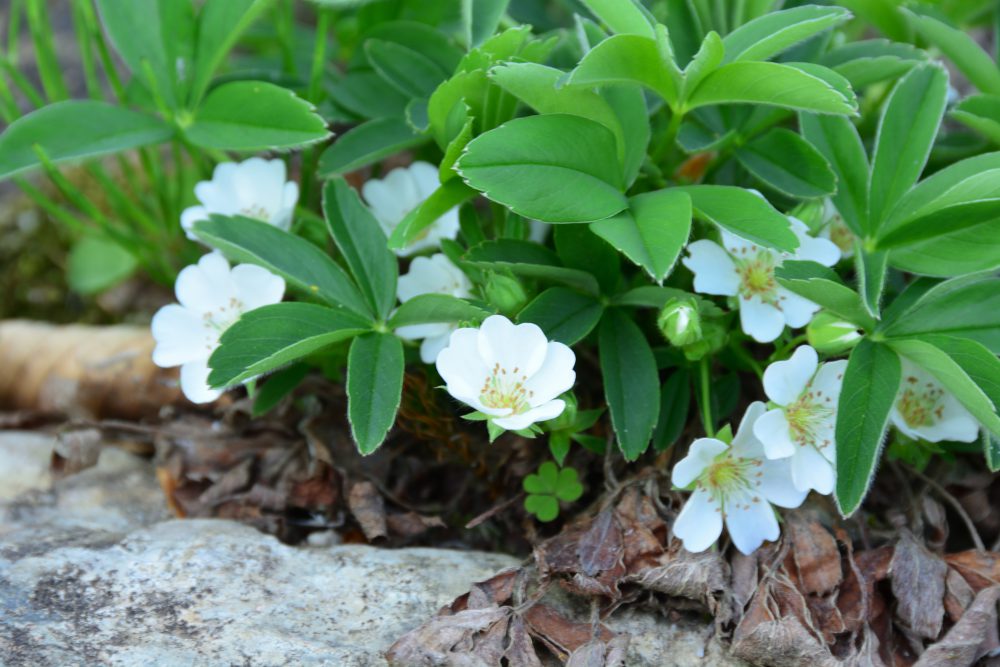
[801,427]
[836,230]
[734,484]
[255,188]
[402,190]
[511,373]
[741,268]
[431,275]
[925,411]
[212,297]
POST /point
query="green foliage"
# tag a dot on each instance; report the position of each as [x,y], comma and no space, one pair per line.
[547,487]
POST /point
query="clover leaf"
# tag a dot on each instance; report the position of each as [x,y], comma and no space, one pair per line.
[549,486]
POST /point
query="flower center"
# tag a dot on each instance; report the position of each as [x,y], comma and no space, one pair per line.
[728,476]
[217,321]
[920,406]
[756,274]
[503,389]
[841,236]
[806,417]
[257,212]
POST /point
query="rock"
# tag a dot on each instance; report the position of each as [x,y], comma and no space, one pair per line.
[24,463]
[93,572]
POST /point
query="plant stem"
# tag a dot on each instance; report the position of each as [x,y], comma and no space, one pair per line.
[706,397]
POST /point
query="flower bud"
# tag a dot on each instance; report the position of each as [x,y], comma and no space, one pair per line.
[506,293]
[680,322]
[713,339]
[831,335]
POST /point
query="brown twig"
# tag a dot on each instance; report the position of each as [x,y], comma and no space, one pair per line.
[955,505]
[493,511]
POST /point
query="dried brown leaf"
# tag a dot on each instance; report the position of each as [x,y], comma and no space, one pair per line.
[918,583]
[958,594]
[521,650]
[816,556]
[601,546]
[980,568]
[411,524]
[971,638]
[561,635]
[75,451]
[495,591]
[680,573]
[446,640]
[765,636]
[597,653]
[368,507]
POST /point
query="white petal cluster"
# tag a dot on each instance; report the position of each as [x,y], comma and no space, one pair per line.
[255,188]
[431,275]
[211,297]
[836,230]
[402,190]
[736,485]
[742,269]
[509,372]
[924,410]
[801,426]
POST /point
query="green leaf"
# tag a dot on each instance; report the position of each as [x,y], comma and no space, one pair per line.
[772,33]
[961,48]
[554,168]
[906,133]
[146,34]
[407,70]
[580,248]
[629,105]
[873,60]
[563,314]
[871,269]
[622,16]
[538,87]
[75,130]
[789,164]
[981,113]
[959,307]
[255,116]
[436,308]
[96,263]
[303,266]
[271,336]
[446,197]
[771,84]
[626,59]
[220,24]
[884,15]
[866,397]
[545,507]
[529,260]
[839,142]
[367,143]
[630,382]
[374,388]
[822,286]
[362,243]
[559,444]
[675,403]
[568,487]
[952,377]
[743,213]
[652,232]
[480,19]
[705,61]
[280,384]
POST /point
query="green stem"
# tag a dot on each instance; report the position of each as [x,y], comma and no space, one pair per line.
[706,397]
[319,56]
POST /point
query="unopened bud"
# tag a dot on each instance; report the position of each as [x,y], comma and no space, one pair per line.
[713,339]
[680,322]
[829,334]
[567,418]
[506,293]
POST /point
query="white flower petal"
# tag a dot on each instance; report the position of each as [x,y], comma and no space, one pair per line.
[541,413]
[785,381]
[773,431]
[180,337]
[512,346]
[761,321]
[810,470]
[700,455]
[714,270]
[194,382]
[956,423]
[425,177]
[813,249]
[256,286]
[738,246]
[461,366]
[798,310]
[775,483]
[433,275]
[699,524]
[206,286]
[745,443]
[554,377]
[750,522]
[418,331]
[191,215]
[432,346]
[829,379]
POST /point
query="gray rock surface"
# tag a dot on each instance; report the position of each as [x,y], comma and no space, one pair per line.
[93,572]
